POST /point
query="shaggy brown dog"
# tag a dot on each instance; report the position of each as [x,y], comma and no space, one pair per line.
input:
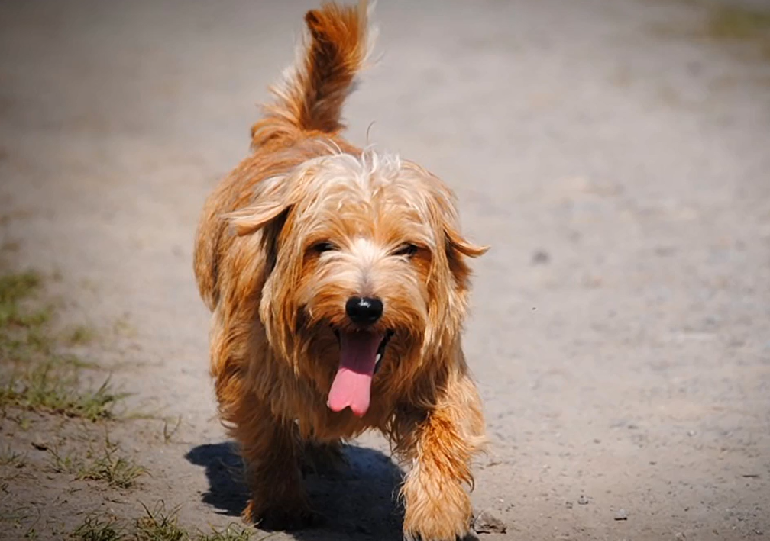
[338,285]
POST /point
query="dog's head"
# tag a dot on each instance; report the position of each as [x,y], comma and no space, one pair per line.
[367,270]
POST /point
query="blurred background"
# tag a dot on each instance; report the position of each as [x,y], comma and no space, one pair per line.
[615,154]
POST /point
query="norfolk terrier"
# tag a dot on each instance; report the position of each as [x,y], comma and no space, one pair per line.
[338,280]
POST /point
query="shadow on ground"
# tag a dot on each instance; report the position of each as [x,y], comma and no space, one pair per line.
[358,502]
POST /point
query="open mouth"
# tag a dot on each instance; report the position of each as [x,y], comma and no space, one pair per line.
[381,350]
[361,352]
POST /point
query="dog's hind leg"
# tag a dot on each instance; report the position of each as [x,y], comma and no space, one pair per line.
[439,444]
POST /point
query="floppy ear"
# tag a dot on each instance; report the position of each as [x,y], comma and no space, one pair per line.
[457,248]
[251,219]
[456,242]
[271,201]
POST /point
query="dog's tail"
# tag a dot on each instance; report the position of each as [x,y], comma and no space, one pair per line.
[311,96]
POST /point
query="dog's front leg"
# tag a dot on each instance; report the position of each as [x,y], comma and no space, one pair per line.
[439,445]
[270,450]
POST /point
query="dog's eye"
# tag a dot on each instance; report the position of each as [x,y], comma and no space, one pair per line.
[324,246]
[406,249]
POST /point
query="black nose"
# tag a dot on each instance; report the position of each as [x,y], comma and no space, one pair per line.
[363,310]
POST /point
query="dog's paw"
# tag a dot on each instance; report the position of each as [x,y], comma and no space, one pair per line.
[282,517]
[283,520]
[445,518]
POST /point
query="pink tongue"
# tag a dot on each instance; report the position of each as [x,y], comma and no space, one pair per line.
[352,384]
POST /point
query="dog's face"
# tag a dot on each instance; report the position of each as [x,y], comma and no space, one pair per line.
[367,270]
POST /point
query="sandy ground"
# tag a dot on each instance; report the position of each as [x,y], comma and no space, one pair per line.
[617,167]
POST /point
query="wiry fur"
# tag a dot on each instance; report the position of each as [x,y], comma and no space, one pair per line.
[276,301]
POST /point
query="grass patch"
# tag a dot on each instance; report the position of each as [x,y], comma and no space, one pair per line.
[95,529]
[156,525]
[61,463]
[159,526]
[231,533]
[741,29]
[33,375]
[54,386]
[14,288]
[11,458]
[117,472]
[81,335]
[738,23]
[103,466]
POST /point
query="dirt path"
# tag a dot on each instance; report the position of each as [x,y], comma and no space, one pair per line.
[618,167]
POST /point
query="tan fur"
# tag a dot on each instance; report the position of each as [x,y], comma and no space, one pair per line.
[276,300]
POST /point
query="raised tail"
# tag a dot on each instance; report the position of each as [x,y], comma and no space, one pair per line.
[311,95]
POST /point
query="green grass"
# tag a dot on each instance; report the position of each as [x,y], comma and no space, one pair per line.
[14,288]
[117,472]
[155,525]
[231,533]
[33,375]
[104,466]
[158,526]
[11,458]
[53,386]
[81,335]
[742,29]
[61,463]
[738,23]
[95,529]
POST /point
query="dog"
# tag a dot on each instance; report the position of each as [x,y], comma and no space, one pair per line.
[338,282]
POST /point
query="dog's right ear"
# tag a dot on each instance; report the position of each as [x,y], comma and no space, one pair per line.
[271,201]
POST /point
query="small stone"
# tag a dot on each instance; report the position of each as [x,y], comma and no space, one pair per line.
[622,514]
[40,446]
[486,522]
[582,500]
[540,257]
[568,504]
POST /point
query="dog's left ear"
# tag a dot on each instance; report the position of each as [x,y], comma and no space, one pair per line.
[456,242]
[457,249]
